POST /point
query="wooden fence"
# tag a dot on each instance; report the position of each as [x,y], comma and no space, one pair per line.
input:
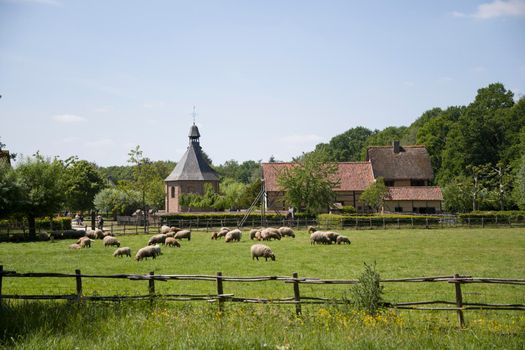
[458,305]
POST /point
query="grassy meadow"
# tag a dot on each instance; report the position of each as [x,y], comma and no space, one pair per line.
[397,253]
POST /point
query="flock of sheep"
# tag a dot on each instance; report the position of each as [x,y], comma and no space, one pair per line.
[170,236]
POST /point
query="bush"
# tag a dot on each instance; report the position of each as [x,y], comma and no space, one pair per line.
[348,209]
[57,223]
[366,295]
[224,219]
[492,215]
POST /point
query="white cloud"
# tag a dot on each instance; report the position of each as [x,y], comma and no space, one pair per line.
[496,8]
[68,118]
[305,139]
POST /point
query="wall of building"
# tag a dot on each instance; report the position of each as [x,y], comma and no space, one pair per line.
[174,189]
[408,206]
[275,200]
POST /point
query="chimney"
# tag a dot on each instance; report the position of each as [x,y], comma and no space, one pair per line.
[395,146]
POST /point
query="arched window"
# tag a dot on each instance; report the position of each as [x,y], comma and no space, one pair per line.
[172,191]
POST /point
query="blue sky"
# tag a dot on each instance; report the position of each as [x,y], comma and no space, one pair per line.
[96,78]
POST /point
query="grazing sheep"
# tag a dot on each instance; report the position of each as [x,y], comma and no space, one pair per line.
[74,246]
[233,235]
[224,229]
[122,251]
[343,239]
[312,229]
[253,233]
[156,250]
[183,234]
[111,241]
[147,252]
[85,242]
[175,229]
[164,229]
[286,231]
[270,233]
[332,236]
[108,233]
[261,250]
[99,233]
[214,235]
[222,233]
[258,235]
[91,234]
[156,239]
[319,237]
[172,242]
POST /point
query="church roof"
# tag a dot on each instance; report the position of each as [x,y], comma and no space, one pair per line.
[192,166]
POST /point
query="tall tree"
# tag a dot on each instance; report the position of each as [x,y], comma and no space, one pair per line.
[9,190]
[374,194]
[82,183]
[309,184]
[348,146]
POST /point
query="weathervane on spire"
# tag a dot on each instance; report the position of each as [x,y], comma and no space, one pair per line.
[194,114]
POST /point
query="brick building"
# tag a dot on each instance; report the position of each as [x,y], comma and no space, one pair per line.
[406,170]
[190,175]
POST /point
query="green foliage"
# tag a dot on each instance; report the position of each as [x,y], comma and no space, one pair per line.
[246,172]
[82,183]
[54,223]
[348,209]
[367,294]
[9,190]
[519,193]
[346,147]
[374,195]
[117,201]
[310,183]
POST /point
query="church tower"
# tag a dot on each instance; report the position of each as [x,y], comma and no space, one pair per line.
[190,175]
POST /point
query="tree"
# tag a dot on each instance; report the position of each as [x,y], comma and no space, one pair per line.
[519,191]
[374,194]
[309,184]
[41,188]
[457,195]
[82,183]
[9,190]
[117,201]
[348,146]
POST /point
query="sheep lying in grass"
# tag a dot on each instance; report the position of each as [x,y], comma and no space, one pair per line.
[156,239]
[343,239]
[151,251]
[184,234]
[233,236]
[270,233]
[122,251]
[74,246]
[261,250]
[172,242]
[111,241]
[286,231]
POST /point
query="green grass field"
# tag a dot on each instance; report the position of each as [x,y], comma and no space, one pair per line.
[397,253]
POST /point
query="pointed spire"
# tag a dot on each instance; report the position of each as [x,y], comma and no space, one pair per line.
[194,134]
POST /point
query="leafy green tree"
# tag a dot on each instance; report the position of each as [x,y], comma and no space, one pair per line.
[457,195]
[117,201]
[348,146]
[374,195]
[411,133]
[42,192]
[82,183]
[230,196]
[9,190]
[309,184]
[146,180]
[519,191]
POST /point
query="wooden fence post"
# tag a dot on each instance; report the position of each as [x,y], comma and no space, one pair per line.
[459,301]
[1,277]
[79,285]
[220,291]
[151,287]
[296,295]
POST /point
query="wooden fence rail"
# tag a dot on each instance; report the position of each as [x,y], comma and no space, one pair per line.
[458,305]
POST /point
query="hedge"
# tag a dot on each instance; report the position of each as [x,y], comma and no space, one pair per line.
[376,219]
[493,215]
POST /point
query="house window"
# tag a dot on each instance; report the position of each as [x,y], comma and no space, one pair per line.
[417,182]
[398,209]
[172,191]
[389,183]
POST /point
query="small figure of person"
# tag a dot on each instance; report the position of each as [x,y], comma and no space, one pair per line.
[100,222]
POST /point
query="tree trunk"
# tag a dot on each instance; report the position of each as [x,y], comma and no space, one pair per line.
[32,227]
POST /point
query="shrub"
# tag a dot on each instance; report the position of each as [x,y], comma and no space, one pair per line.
[366,295]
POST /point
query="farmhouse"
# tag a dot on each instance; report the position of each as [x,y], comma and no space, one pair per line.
[190,175]
[406,170]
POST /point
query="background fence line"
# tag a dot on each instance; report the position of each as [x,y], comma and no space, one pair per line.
[221,297]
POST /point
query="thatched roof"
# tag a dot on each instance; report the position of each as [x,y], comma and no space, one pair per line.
[411,162]
[414,193]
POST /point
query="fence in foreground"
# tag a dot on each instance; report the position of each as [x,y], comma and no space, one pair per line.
[457,305]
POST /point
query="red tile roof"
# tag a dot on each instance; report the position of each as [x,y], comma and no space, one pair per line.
[415,193]
[354,176]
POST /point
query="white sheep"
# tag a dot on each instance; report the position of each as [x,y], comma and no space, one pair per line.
[147,252]
[332,236]
[233,235]
[270,233]
[99,233]
[222,232]
[156,239]
[85,242]
[261,250]
[164,229]
[312,229]
[319,237]
[253,233]
[343,239]
[172,242]
[122,251]
[91,234]
[183,234]
[111,241]
[286,231]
